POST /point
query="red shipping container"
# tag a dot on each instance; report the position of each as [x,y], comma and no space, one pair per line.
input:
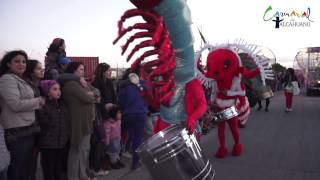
[90,64]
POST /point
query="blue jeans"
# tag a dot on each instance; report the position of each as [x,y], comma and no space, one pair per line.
[3,175]
[113,149]
[21,154]
[134,124]
[114,146]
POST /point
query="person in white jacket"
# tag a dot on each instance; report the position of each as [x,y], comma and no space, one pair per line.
[18,106]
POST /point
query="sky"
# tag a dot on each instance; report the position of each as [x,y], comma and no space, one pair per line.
[90,26]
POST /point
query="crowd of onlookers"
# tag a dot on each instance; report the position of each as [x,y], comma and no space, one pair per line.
[76,129]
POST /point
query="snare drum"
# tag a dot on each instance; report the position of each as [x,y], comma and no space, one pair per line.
[174,154]
[265,92]
[226,114]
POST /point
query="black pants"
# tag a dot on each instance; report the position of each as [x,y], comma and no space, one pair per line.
[134,124]
[20,152]
[267,103]
[3,175]
[54,163]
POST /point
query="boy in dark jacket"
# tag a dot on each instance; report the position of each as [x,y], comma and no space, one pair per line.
[55,132]
[134,114]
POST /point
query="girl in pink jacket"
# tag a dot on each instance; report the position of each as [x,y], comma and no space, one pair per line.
[112,127]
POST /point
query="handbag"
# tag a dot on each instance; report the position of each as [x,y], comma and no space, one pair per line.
[295,88]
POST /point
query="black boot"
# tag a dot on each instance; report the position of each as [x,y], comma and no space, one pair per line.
[119,163]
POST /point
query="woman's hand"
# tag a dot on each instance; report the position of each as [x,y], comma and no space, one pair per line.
[108,106]
[90,93]
[42,101]
[83,82]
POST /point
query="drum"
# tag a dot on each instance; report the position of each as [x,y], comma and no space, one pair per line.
[265,92]
[226,114]
[174,154]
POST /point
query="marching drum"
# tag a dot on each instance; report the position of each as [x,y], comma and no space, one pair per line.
[264,92]
[226,114]
[174,154]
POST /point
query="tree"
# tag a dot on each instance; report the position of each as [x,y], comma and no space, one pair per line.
[276,67]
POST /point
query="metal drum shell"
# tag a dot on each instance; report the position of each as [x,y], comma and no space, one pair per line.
[174,154]
[226,114]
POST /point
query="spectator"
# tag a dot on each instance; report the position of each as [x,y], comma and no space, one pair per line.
[33,74]
[112,138]
[288,91]
[4,156]
[134,109]
[80,103]
[56,59]
[18,103]
[103,82]
[55,132]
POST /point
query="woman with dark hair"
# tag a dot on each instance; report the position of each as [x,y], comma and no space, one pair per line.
[33,74]
[102,81]
[80,100]
[288,90]
[18,103]
[56,59]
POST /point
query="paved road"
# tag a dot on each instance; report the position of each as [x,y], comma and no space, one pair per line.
[277,146]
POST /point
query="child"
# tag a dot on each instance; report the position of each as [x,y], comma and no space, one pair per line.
[112,127]
[55,132]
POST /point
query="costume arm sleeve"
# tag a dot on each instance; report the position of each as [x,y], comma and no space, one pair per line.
[199,97]
[242,102]
[250,74]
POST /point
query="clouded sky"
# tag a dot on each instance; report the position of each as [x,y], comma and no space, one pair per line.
[89,27]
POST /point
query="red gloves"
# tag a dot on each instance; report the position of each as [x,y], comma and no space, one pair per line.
[191,125]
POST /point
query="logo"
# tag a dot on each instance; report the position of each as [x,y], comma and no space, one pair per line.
[289,19]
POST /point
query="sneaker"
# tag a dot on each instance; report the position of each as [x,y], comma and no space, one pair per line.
[288,109]
[266,110]
[136,167]
[115,166]
[119,163]
[127,154]
[101,173]
[242,125]
[259,108]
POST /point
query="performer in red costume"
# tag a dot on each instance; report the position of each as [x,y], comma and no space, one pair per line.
[224,78]
[224,66]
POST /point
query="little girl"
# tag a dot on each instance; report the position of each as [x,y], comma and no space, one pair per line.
[55,132]
[112,138]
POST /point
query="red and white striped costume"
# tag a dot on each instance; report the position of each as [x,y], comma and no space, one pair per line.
[225,68]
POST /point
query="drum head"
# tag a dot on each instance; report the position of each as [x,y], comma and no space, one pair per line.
[161,137]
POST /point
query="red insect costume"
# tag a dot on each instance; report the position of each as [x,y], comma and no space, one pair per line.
[225,72]
[169,72]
